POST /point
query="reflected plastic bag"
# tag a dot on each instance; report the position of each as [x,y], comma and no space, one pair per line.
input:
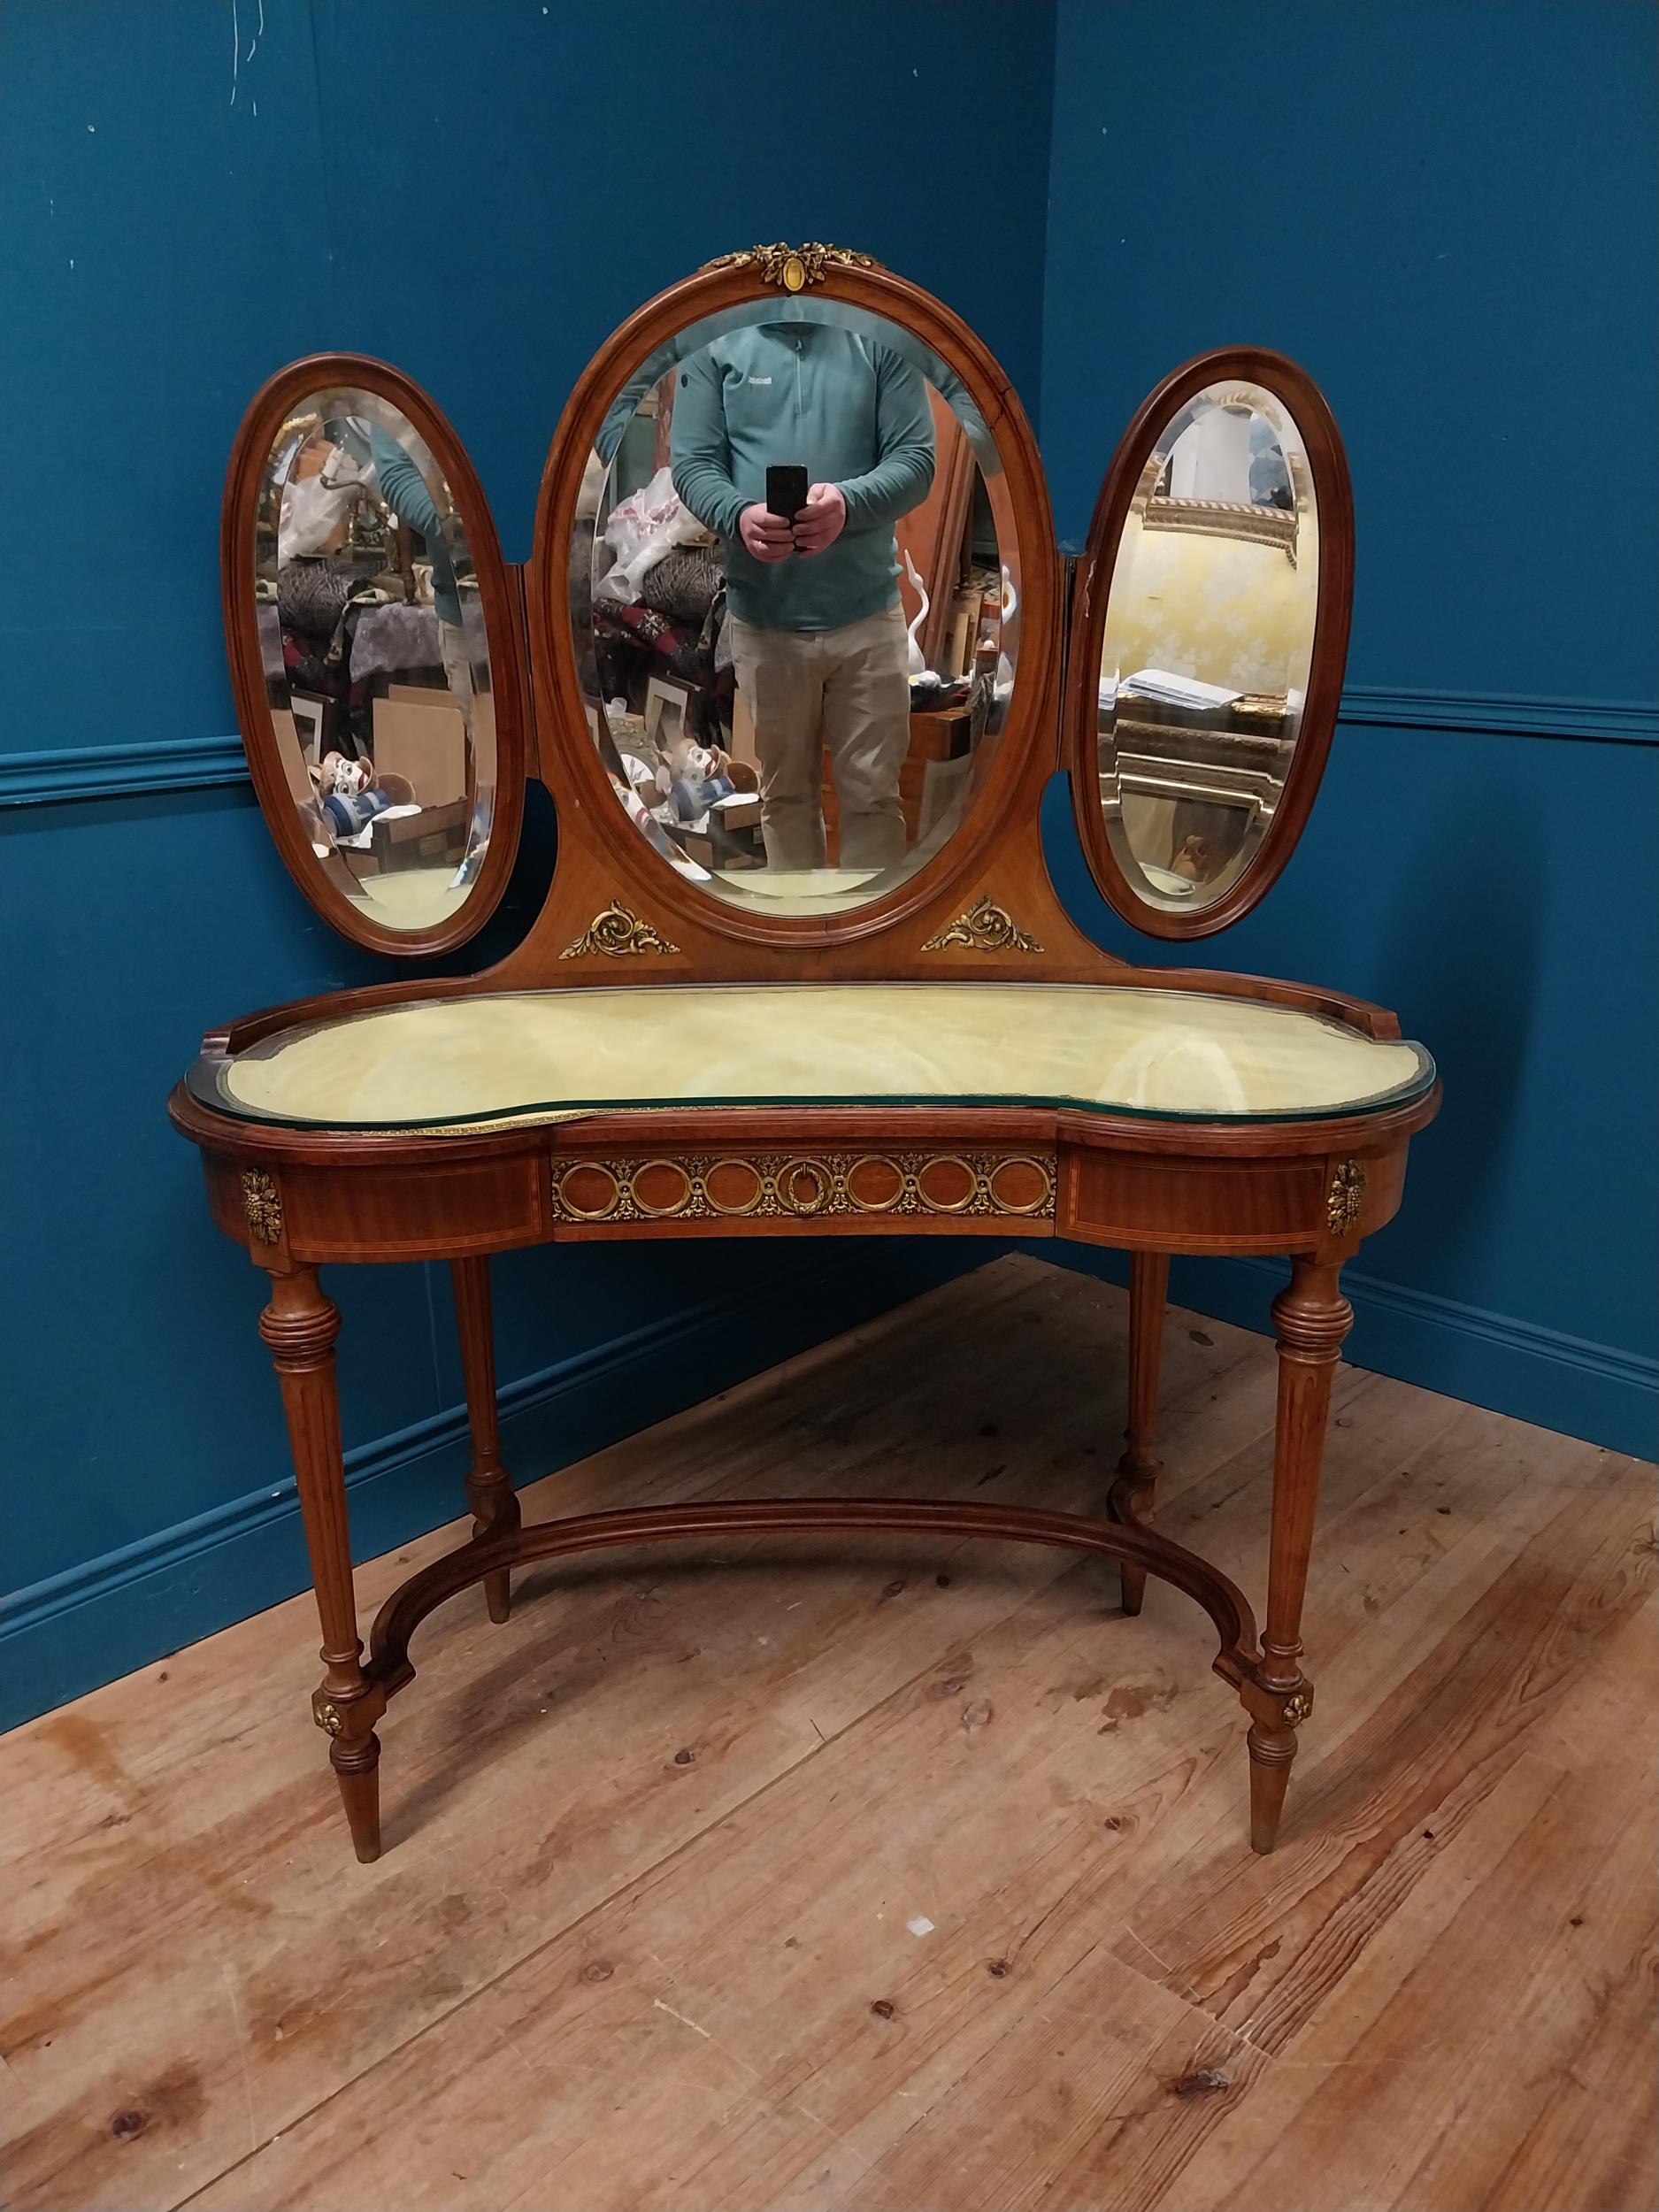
[312,511]
[640,531]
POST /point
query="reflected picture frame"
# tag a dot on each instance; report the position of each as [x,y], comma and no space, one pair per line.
[667,711]
[308,723]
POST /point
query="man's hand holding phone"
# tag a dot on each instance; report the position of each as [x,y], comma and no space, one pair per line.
[767,536]
[794,517]
[821,521]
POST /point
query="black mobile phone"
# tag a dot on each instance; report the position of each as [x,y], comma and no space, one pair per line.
[786,490]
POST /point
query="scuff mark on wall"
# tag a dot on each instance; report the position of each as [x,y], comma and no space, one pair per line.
[237,57]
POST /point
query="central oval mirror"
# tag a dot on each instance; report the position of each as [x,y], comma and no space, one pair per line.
[795,604]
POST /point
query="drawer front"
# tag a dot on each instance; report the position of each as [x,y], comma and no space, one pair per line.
[373,1213]
[1132,1200]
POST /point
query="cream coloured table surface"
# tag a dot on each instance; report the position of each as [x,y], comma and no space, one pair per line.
[1109,1048]
[411,898]
[814,890]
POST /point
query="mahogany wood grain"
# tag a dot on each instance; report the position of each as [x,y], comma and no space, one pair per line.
[461,1207]
[489,1490]
[300,1326]
[1221,1598]
[1131,1203]
[1310,1319]
[523,693]
[1092,591]
[1135,1492]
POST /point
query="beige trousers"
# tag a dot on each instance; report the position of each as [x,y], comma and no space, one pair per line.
[846,690]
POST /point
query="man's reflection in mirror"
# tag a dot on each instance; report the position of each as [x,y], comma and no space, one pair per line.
[817,629]
[406,492]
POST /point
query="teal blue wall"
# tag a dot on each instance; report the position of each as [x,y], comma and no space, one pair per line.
[1447,210]
[479,192]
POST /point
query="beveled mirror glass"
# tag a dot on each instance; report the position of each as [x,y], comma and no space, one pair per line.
[795,604]
[1207,644]
[376,663]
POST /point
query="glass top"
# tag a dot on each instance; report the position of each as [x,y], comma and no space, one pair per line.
[1106,1048]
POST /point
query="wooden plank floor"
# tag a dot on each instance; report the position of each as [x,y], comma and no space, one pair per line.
[889,1874]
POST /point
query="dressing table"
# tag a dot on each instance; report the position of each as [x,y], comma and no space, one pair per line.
[929,1048]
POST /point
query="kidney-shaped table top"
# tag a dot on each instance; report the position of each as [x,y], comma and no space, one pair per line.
[1106,1048]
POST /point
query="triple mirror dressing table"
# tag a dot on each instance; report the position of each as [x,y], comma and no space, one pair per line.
[800,970]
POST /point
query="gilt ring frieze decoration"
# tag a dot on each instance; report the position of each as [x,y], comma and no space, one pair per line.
[804,1186]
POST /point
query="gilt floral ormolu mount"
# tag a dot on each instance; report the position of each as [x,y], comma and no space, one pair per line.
[894,1027]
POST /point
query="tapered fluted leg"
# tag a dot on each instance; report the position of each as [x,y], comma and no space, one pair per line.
[1140,1467]
[1310,1318]
[357,1764]
[300,1326]
[489,1490]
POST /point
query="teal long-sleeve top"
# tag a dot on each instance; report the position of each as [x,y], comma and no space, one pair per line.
[404,490]
[852,413]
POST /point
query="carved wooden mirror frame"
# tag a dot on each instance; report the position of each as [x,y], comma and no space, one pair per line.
[983,903]
[1334,508]
[497,591]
